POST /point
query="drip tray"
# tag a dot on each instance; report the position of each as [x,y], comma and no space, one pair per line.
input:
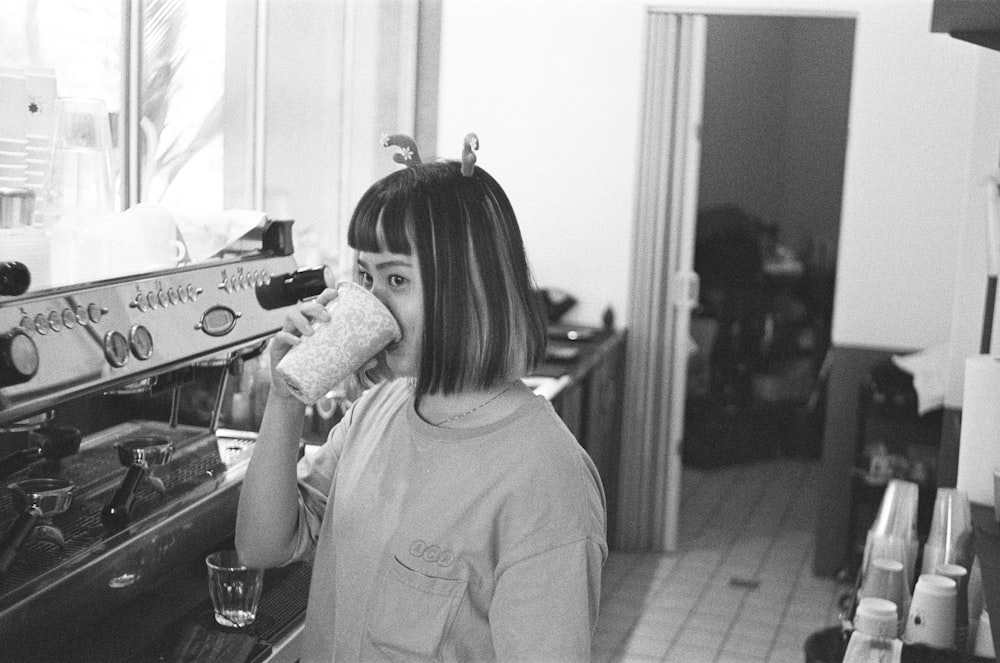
[99,567]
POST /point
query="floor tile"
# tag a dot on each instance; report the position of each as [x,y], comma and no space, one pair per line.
[739,587]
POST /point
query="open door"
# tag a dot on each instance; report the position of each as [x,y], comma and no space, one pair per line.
[663,245]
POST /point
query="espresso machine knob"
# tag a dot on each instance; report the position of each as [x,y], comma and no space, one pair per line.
[291,288]
[15,277]
[18,357]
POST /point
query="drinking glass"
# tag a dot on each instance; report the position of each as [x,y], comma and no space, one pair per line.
[235,589]
[79,177]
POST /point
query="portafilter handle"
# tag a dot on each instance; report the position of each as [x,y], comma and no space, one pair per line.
[37,499]
[117,513]
[138,454]
[16,535]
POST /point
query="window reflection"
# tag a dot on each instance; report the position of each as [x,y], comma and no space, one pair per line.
[181,158]
[81,40]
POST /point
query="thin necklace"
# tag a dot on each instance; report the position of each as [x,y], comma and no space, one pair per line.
[471,410]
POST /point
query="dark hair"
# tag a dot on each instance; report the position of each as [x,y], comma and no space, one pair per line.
[482,322]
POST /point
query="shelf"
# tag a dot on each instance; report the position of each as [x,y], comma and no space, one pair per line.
[974,21]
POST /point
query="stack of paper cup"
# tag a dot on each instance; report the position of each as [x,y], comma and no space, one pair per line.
[960,575]
[360,326]
[13,128]
[876,617]
[893,534]
[41,90]
[931,620]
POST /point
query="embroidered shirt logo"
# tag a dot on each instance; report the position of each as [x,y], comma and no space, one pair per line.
[432,553]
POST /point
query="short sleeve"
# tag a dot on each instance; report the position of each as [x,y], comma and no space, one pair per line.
[545,606]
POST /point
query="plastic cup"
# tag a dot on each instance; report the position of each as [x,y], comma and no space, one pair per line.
[897,513]
[360,327]
[931,620]
[80,168]
[901,549]
[983,645]
[950,538]
[886,579]
[13,158]
[235,589]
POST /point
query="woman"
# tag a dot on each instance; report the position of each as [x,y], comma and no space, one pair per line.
[450,515]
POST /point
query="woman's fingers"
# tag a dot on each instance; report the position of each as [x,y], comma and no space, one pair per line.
[327,296]
[285,338]
[314,310]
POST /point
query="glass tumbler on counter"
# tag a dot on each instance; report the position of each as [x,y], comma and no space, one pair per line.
[235,589]
[79,177]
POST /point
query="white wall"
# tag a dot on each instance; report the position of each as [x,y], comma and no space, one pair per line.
[970,281]
[553,88]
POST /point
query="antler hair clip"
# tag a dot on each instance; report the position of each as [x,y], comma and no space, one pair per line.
[468,155]
[408,154]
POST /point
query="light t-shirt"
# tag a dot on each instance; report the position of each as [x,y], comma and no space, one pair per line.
[435,544]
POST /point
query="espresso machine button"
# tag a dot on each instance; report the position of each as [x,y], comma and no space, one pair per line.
[95,313]
[18,357]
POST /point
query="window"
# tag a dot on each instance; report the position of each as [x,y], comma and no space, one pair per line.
[198,90]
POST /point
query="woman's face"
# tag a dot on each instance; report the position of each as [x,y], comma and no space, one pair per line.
[395,279]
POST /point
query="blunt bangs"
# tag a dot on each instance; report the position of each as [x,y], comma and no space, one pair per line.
[483,326]
[380,220]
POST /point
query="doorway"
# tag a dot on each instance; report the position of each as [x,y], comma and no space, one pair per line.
[772,88]
[773,140]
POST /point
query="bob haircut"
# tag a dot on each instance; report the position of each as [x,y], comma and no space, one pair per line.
[483,324]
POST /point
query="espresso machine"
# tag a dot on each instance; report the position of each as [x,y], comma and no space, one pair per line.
[109,499]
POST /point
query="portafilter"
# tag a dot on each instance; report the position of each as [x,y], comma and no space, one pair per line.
[38,500]
[140,455]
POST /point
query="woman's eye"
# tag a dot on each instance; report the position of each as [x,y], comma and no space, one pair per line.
[396,281]
[364,278]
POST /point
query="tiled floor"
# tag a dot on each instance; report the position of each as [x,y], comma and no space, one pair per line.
[739,588]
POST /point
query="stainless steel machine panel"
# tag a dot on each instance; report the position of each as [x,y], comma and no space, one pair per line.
[113,332]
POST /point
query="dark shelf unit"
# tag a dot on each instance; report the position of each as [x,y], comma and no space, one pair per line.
[892,442]
[974,21]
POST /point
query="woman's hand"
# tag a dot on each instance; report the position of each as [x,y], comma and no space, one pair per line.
[299,323]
